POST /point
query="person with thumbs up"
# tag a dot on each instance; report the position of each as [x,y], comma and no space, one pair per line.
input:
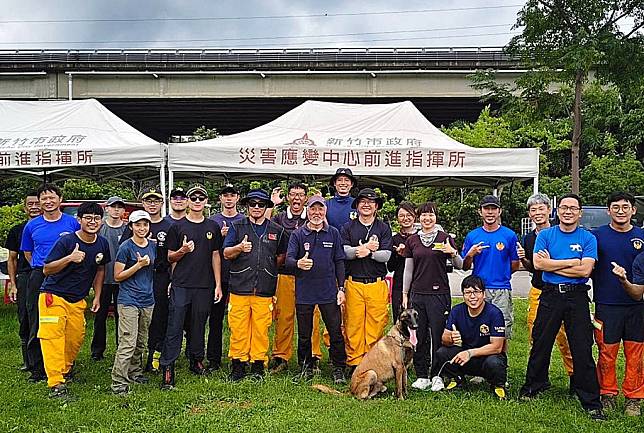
[75,264]
[256,248]
[193,243]
[367,244]
[316,256]
[472,341]
[135,303]
[229,214]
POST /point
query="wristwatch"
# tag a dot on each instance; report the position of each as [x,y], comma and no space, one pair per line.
[340,289]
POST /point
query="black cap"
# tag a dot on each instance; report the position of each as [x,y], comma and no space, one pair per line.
[151,191]
[257,194]
[490,200]
[367,193]
[197,188]
[178,191]
[343,172]
[228,188]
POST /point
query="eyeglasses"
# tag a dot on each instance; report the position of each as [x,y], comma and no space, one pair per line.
[91,218]
[254,203]
[297,194]
[152,201]
[624,208]
[468,293]
[198,198]
[569,208]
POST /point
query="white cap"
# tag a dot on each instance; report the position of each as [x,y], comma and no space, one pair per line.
[139,215]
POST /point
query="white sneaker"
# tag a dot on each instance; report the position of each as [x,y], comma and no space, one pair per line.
[437,384]
[422,383]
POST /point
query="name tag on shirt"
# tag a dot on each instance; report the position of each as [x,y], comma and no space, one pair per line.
[327,244]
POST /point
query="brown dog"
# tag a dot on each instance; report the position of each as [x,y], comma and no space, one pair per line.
[388,359]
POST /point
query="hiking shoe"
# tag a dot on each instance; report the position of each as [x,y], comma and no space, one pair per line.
[121,391]
[422,383]
[212,367]
[167,379]
[58,391]
[500,392]
[69,376]
[140,379]
[155,361]
[596,415]
[632,407]
[277,364]
[454,384]
[307,371]
[237,370]
[257,369]
[37,377]
[609,401]
[338,376]
[315,365]
[97,356]
[197,368]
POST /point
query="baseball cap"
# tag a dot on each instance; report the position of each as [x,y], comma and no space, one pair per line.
[113,200]
[151,191]
[139,215]
[258,194]
[178,192]
[490,200]
[316,199]
[228,188]
[197,188]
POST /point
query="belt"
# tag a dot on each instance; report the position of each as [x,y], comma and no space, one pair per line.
[365,280]
[566,287]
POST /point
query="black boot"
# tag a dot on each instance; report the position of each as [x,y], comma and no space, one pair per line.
[25,363]
[257,369]
[167,376]
[237,370]
[196,367]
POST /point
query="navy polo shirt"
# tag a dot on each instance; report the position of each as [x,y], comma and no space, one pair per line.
[318,285]
[352,233]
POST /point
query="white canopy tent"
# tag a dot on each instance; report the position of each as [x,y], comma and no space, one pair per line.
[390,144]
[74,138]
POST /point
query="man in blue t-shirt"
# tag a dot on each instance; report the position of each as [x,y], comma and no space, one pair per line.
[340,209]
[492,250]
[473,340]
[621,317]
[75,264]
[38,238]
[566,254]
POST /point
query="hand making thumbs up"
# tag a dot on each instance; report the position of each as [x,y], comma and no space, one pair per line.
[245,245]
[305,263]
[373,243]
[187,246]
[142,261]
[362,250]
[520,251]
[77,255]
[456,336]
[224,229]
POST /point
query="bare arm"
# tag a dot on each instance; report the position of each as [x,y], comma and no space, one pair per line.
[467,262]
[579,271]
[516,265]
[175,256]
[493,348]
[543,262]
[57,265]
[635,291]
[216,267]
[12,266]
[28,256]
[98,288]
[122,274]
[446,338]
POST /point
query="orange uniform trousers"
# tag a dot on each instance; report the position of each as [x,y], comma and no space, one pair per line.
[366,314]
[61,332]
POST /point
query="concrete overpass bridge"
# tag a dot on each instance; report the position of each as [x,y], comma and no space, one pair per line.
[172,92]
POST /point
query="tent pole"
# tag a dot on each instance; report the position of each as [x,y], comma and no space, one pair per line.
[70,86]
[535,185]
[163,190]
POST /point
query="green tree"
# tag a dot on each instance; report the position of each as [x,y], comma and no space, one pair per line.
[572,37]
[9,217]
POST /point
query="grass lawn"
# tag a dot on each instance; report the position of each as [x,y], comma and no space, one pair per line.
[279,404]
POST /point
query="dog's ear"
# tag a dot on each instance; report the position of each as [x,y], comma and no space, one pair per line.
[404,314]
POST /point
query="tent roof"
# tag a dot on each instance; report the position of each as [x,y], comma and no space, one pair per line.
[389,143]
[45,135]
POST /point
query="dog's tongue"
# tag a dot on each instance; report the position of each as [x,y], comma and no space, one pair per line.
[412,337]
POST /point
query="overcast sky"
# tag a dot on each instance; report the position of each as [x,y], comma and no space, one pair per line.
[255,24]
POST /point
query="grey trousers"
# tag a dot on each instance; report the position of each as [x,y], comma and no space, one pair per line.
[134,323]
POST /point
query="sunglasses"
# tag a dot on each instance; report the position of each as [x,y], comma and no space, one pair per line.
[198,198]
[254,203]
[179,197]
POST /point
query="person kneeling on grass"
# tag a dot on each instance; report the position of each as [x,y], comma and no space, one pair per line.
[473,340]
[135,302]
[75,264]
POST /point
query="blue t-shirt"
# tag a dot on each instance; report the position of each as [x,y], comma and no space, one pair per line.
[40,236]
[231,237]
[476,331]
[621,248]
[75,280]
[578,244]
[493,264]
[318,285]
[339,211]
[137,290]
[219,219]
[638,269]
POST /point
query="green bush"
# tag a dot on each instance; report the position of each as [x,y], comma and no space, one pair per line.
[9,217]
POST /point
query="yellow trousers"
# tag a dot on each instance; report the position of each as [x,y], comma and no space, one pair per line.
[562,340]
[249,319]
[284,315]
[367,314]
[61,332]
